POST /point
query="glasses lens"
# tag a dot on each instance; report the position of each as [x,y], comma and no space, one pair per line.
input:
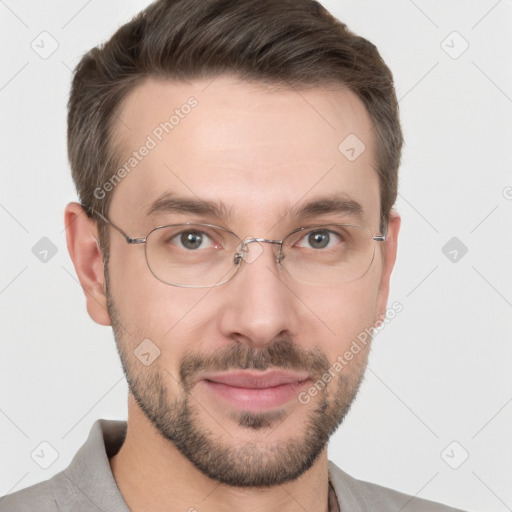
[333,254]
[191,255]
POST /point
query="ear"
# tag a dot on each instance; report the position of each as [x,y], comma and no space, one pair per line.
[388,262]
[82,241]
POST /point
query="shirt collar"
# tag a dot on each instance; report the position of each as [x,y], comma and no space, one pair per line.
[88,484]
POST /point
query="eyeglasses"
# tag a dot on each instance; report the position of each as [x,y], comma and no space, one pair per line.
[193,255]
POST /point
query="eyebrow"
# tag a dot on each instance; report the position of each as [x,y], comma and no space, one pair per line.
[170,203]
[334,204]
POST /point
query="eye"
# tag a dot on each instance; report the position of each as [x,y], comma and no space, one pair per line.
[319,239]
[192,240]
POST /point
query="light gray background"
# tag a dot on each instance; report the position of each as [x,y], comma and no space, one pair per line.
[439,372]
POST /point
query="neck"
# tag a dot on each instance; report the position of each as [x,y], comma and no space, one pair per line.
[152,474]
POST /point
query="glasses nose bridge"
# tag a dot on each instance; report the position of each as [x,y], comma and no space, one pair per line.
[242,250]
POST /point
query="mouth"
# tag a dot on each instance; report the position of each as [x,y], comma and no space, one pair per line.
[253,390]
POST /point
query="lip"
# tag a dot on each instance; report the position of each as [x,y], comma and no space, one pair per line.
[257,379]
[256,390]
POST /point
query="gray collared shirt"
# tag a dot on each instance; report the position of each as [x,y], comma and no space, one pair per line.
[87,485]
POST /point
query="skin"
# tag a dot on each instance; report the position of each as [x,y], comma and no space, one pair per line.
[261,152]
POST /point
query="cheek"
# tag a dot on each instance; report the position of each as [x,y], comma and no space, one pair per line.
[148,308]
[341,313]
[175,319]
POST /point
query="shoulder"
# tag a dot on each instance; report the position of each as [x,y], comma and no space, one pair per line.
[360,495]
[86,484]
[36,497]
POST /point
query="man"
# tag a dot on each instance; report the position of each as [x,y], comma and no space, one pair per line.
[236,163]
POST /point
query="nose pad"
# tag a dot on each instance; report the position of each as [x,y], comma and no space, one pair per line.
[248,254]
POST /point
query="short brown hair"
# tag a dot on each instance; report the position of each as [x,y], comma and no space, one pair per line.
[293,43]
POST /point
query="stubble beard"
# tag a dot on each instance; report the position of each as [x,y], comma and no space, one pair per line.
[232,462]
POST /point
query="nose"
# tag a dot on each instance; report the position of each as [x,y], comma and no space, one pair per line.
[260,305]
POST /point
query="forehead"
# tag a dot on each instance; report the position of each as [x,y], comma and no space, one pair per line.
[257,150]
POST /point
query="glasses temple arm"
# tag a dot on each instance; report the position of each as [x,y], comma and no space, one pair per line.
[127,237]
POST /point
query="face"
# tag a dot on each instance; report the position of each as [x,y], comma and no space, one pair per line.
[232,386]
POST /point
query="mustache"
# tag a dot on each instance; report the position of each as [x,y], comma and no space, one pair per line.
[282,353]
